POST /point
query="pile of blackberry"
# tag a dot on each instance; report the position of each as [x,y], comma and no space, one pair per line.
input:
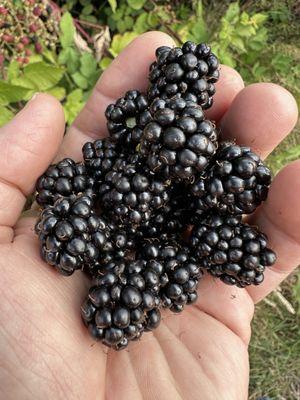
[156,204]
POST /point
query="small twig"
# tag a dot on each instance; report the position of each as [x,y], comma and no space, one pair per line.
[82,31]
[82,22]
[285,302]
[173,33]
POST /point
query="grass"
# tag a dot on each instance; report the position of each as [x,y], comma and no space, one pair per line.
[275,344]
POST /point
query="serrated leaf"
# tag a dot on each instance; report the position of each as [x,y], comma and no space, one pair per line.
[58,92]
[80,80]
[88,64]
[119,42]
[136,4]
[67,30]
[232,13]
[10,93]
[40,76]
[5,115]
[13,70]
[238,43]
[73,105]
[259,18]
[35,58]
[113,5]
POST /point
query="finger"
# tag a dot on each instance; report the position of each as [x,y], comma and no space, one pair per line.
[228,86]
[279,218]
[128,71]
[28,144]
[260,116]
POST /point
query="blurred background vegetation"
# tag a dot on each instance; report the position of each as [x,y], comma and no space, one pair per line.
[62,47]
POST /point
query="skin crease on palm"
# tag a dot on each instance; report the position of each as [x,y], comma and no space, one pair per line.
[45,351]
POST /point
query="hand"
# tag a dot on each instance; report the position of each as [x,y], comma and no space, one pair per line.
[45,351]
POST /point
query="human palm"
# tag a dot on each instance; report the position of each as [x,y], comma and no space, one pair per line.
[45,351]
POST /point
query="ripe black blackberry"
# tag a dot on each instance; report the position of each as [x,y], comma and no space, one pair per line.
[62,179]
[99,157]
[190,71]
[231,250]
[73,237]
[130,194]
[127,118]
[236,182]
[123,302]
[181,272]
[178,143]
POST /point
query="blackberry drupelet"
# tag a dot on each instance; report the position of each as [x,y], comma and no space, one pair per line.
[130,194]
[73,237]
[127,118]
[181,272]
[236,183]
[123,302]
[178,143]
[62,179]
[190,71]
[231,250]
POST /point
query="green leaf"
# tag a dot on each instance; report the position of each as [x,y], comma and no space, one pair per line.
[88,64]
[105,62]
[72,58]
[238,43]
[13,70]
[113,5]
[64,56]
[50,56]
[232,13]
[87,10]
[73,105]
[67,30]
[141,23]
[58,92]
[119,42]
[80,80]
[10,93]
[40,76]
[136,4]
[5,115]
[259,18]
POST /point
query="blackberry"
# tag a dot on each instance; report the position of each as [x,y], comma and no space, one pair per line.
[181,272]
[73,237]
[126,119]
[190,71]
[99,157]
[130,193]
[62,179]
[231,250]
[123,302]
[178,143]
[236,183]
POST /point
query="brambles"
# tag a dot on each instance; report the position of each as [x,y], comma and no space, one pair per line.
[26,29]
[156,204]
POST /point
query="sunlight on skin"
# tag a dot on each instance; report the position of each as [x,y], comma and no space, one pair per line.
[45,351]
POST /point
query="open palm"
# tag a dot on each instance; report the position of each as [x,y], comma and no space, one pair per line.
[45,351]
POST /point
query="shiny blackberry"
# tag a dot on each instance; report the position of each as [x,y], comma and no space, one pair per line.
[181,272]
[99,157]
[73,237]
[130,194]
[190,71]
[237,181]
[127,118]
[123,302]
[62,179]
[231,250]
[178,143]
